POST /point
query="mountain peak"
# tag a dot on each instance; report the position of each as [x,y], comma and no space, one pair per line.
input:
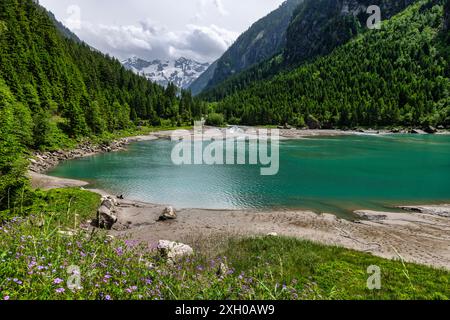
[181,71]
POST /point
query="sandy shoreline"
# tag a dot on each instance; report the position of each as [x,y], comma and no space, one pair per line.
[420,234]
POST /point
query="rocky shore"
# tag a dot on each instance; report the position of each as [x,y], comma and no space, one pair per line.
[417,234]
[41,162]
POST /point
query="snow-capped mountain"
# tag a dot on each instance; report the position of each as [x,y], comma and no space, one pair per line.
[182,72]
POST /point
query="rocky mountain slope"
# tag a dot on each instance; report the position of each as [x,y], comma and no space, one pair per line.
[182,72]
[262,40]
[317,28]
[394,76]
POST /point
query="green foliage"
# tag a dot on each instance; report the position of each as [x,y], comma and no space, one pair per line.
[327,272]
[316,29]
[51,72]
[319,26]
[13,135]
[447,21]
[3,27]
[56,90]
[37,252]
[215,119]
[394,76]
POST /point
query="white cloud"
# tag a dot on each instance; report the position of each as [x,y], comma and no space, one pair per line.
[202,8]
[203,41]
[151,40]
[220,7]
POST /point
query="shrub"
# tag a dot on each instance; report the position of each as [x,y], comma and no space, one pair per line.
[215,119]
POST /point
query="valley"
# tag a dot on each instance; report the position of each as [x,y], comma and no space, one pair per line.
[100,195]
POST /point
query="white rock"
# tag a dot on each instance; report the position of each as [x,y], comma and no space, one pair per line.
[168,214]
[173,250]
[105,217]
[107,203]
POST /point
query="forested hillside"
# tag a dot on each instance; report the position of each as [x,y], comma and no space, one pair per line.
[398,75]
[447,17]
[319,26]
[53,88]
[316,29]
[261,41]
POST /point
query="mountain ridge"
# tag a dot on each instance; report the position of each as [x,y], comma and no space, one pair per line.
[316,29]
[262,40]
[395,76]
[182,71]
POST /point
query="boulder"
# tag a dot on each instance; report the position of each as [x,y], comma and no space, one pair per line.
[313,123]
[174,251]
[110,199]
[168,214]
[105,218]
[430,129]
[417,131]
[108,203]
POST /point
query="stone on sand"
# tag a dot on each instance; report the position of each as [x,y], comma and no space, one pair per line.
[168,214]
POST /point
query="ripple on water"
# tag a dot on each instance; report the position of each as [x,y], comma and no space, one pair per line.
[332,174]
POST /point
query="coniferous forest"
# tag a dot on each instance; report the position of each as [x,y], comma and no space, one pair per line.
[64,105]
[396,76]
[53,88]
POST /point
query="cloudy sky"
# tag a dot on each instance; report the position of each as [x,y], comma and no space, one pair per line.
[149,29]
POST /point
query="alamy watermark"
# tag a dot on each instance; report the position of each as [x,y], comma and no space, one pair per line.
[74,279]
[374,21]
[374,280]
[228,147]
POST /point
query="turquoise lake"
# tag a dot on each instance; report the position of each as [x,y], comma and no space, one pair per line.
[324,174]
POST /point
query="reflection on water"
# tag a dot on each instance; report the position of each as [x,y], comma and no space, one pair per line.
[332,174]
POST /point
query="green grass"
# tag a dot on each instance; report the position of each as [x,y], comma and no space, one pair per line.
[62,142]
[59,204]
[37,252]
[334,272]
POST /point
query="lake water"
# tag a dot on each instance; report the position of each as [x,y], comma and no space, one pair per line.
[326,174]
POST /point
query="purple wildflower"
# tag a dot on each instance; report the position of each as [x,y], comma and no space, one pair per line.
[57,281]
[6,298]
[60,290]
